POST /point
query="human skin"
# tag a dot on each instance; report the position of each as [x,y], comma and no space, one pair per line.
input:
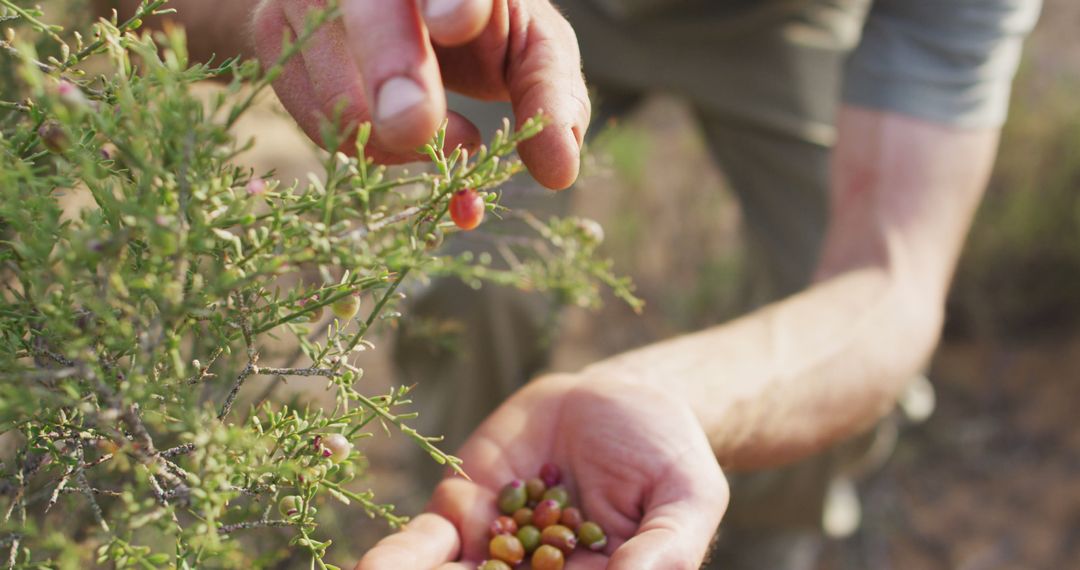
[639,435]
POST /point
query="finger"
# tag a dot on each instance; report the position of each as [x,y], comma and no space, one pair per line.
[680,520]
[429,541]
[454,22]
[313,84]
[400,73]
[544,74]
[470,508]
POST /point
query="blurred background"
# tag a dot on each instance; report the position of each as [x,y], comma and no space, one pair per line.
[992,479]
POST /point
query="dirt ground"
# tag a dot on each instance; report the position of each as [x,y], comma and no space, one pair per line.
[991,481]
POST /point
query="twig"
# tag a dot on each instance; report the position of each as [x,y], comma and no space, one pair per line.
[59,488]
[230,528]
[235,390]
[84,486]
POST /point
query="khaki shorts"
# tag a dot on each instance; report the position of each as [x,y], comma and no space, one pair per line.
[764,84]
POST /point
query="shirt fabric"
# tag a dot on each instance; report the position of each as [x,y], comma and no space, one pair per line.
[947,61]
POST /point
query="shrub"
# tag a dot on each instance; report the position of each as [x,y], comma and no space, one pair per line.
[128,327]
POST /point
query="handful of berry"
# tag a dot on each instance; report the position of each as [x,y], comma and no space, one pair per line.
[538,520]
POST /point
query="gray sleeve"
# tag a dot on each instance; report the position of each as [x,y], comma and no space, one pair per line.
[947,61]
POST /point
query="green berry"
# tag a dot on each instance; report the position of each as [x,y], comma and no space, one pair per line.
[508,548]
[529,536]
[592,536]
[571,518]
[512,497]
[546,514]
[346,307]
[548,558]
[290,506]
[560,537]
[494,565]
[558,494]
[534,489]
[337,447]
[523,516]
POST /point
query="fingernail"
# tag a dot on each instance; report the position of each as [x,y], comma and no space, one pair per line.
[396,96]
[438,9]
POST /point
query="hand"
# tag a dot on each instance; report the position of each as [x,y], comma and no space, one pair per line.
[634,458]
[390,61]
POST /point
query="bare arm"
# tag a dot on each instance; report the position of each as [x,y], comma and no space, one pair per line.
[798,375]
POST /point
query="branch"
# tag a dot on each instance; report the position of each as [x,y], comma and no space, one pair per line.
[230,528]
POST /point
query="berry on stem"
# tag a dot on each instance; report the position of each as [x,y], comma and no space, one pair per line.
[346,307]
[467,209]
[337,447]
[290,505]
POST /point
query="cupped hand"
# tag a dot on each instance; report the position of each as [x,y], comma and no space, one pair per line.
[633,458]
[391,61]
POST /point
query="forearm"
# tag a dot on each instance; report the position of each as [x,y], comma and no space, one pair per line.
[215,28]
[798,375]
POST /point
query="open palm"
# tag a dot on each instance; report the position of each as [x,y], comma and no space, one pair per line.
[633,458]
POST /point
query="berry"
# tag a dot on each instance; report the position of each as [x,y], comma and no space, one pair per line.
[571,518]
[560,537]
[558,494]
[508,548]
[466,209]
[53,136]
[346,307]
[548,558]
[523,516]
[534,489]
[255,187]
[494,565]
[503,525]
[512,497]
[546,514]
[529,536]
[551,474]
[337,447]
[290,506]
[592,536]
[591,230]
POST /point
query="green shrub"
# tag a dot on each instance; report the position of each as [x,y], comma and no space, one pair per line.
[129,326]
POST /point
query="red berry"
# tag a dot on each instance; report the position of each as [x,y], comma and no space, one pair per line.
[551,474]
[571,518]
[546,514]
[467,209]
[503,525]
[508,548]
[548,558]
